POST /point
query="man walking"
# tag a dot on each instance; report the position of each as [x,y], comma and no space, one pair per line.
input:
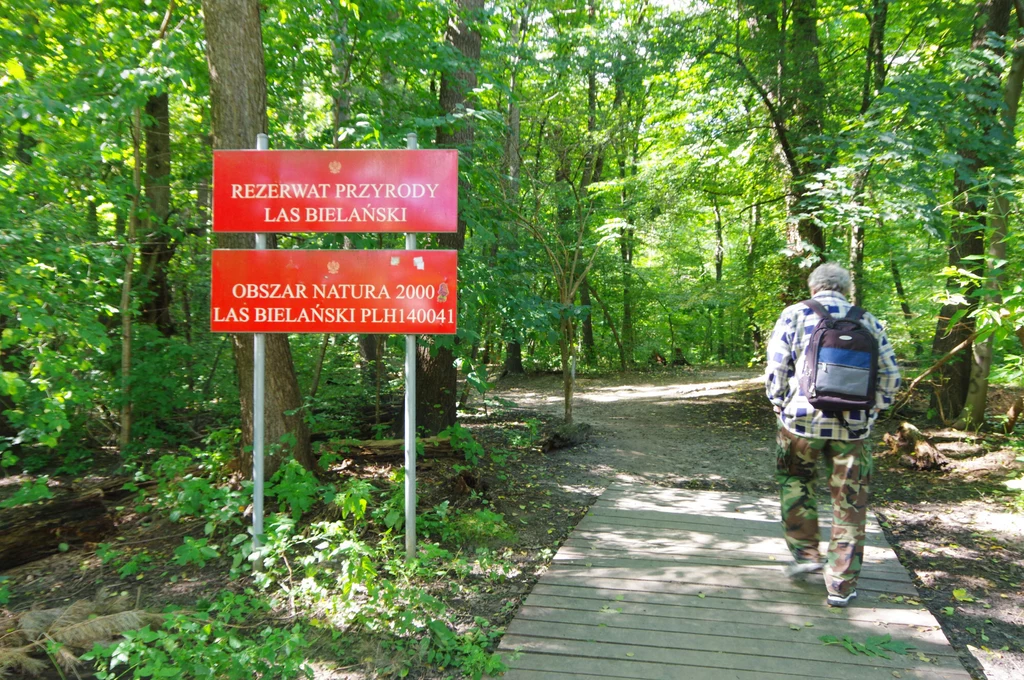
[807,433]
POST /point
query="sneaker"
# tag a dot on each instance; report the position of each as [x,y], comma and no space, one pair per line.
[800,568]
[839,601]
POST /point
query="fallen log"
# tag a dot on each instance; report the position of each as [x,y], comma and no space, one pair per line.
[392,450]
[32,532]
[915,449]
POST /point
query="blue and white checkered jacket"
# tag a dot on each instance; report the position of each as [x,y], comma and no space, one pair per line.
[786,351]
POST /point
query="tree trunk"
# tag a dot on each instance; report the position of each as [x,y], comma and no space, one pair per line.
[341,67]
[967,229]
[437,377]
[513,165]
[590,174]
[565,344]
[977,393]
[615,334]
[897,281]
[158,248]
[802,80]
[125,434]
[589,350]
[514,358]
[238,108]
[719,243]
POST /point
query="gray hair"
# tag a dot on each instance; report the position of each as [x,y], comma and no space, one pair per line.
[829,276]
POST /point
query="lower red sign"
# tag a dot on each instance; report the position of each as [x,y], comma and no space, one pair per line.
[334,291]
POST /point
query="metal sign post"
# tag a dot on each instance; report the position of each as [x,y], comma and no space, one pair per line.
[410,418]
[259,359]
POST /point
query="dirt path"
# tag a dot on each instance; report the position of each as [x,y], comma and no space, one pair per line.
[709,428]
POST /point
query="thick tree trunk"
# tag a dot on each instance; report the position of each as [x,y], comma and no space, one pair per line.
[514,359]
[977,393]
[238,108]
[802,81]
[436,380]
[967,230]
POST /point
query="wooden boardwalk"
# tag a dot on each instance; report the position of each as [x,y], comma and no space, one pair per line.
[670,584]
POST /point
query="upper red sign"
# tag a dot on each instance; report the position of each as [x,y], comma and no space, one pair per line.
[414,190]
[334,291]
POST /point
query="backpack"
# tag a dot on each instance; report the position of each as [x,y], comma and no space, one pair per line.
[840,370]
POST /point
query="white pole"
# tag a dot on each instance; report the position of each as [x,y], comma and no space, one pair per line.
[410,417]
[259,359]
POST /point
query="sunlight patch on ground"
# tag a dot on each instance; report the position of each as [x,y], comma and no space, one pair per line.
[677,391]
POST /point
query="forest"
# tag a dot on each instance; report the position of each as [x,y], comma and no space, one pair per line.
[643,186]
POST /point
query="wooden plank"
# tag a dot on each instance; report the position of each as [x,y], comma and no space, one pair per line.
[548,664]
[733,577]
[731,529]
[770,573]
[837,668]
[770,524]
[657,614]
[693,533]
[890,614]
[805,647]
[657,541]
[569,554]
[523,674]
[698,509]
[631,669]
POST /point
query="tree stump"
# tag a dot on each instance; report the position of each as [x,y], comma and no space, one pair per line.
[915,450]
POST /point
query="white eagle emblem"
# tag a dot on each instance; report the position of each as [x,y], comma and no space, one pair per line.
[335,167]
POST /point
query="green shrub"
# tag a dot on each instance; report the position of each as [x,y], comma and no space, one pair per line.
[219,642]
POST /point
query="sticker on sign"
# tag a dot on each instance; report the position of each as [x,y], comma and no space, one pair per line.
[334,291]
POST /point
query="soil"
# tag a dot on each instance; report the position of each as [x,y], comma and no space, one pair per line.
[695,428]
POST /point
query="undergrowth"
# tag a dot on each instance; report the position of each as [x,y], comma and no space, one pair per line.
[330,568]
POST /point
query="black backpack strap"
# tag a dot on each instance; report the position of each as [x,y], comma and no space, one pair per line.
[818,309]
[856,434]
[855,313]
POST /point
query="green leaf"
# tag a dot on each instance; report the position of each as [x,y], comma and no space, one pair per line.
[15,68]
[960,595]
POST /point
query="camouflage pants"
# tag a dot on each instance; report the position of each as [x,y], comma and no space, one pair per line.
[851,467]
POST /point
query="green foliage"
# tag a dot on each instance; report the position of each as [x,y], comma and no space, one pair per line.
[195,551]
[5,591]
[875,645]
[295,488]
[31,491]
[183,494]
[354,498]
[218,641]
[463,442]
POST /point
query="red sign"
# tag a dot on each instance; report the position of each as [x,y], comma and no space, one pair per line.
[334,291]
[413,190]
